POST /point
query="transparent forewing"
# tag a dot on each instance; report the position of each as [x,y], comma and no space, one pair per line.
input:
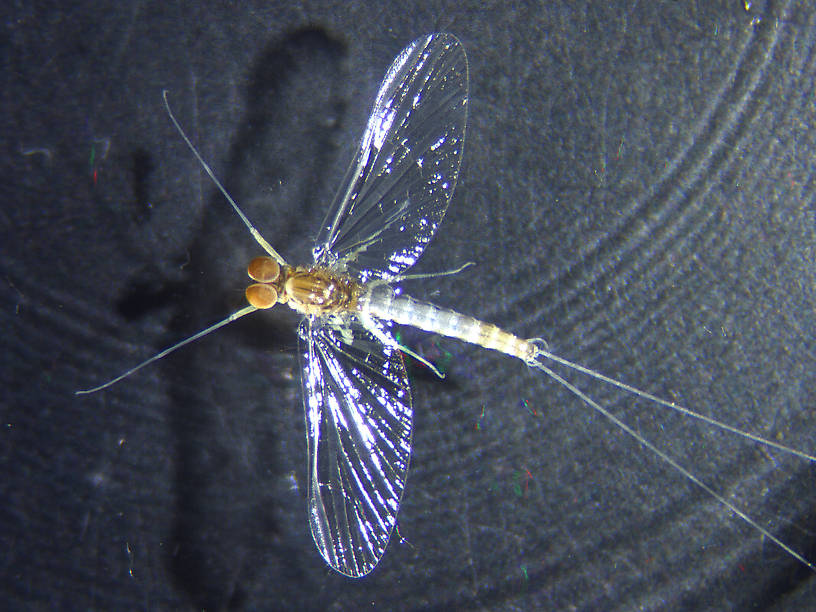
[398,187]
[358,430]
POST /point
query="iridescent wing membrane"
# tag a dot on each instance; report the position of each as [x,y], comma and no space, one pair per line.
[357,397]
[397,188]
[358,419]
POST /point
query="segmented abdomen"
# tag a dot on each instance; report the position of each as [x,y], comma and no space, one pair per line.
[382,303]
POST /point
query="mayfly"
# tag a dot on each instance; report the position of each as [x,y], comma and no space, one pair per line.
[356,392]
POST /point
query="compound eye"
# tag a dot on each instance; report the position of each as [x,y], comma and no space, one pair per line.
[261,296]
[263,269]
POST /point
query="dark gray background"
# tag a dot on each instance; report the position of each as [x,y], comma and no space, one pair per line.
[637,187]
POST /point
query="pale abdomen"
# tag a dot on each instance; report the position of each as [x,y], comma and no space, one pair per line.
[382,303]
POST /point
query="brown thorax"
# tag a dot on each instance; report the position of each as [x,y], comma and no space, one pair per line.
[307,290]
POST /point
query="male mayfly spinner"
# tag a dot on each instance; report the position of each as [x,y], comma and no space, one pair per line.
[356,392]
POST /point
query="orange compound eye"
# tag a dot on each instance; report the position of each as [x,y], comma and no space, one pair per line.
[261,296]
[263,269]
